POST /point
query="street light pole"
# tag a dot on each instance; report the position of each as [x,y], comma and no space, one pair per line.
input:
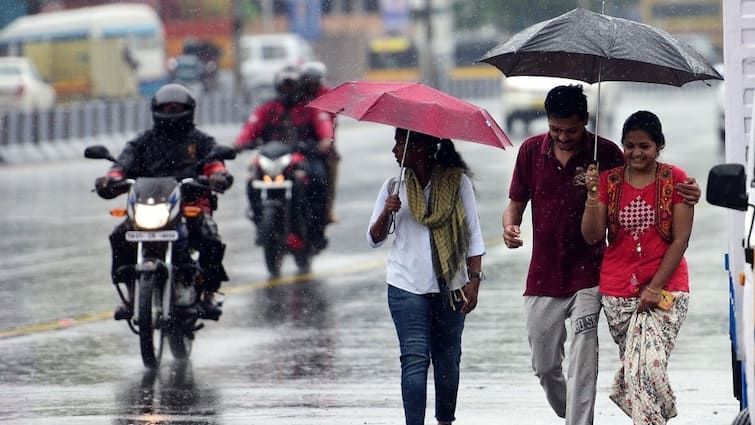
[237,20]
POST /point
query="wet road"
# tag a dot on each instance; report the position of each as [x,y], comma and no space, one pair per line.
[318,349]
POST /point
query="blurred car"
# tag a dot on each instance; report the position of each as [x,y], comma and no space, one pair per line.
[262,56]
[21,86]
[209,54]
[523,100]
[189,71]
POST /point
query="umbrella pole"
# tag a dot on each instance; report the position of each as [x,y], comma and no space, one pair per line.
[392,226]
[597,110]
[594,189]
[597,119]
[403,157]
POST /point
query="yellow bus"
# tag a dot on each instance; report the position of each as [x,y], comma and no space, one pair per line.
[395,58]
[392,58]
[686,17]
[112,50]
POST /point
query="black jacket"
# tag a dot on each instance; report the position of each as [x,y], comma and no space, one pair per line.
[154,154]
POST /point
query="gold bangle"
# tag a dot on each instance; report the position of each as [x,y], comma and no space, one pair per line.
[593,204]
[653,291]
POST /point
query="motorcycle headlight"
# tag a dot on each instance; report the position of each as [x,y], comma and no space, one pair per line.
[275,167]
[151,216]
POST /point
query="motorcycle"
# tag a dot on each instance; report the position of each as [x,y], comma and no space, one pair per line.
[277,193]
[166,274]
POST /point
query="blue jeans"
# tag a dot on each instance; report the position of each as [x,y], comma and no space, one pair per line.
[428,330]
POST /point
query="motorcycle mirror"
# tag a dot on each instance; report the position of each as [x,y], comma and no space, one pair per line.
[98,152]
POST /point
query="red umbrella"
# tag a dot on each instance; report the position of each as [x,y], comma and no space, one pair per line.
[415,107]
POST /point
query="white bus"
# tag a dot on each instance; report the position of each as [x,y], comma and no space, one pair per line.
[99,42]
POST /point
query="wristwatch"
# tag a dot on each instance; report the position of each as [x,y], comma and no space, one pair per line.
[476,275]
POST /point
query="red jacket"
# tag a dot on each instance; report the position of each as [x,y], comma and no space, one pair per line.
[274,121]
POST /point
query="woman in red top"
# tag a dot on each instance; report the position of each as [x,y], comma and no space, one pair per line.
[643,278]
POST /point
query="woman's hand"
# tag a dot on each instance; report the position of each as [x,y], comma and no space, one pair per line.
[592,177]
[392,204]
[470,293]
[648,300]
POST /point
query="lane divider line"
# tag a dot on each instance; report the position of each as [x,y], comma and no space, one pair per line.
[68,322]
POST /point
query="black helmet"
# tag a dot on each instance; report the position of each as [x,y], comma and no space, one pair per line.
[173,109]
[288,86]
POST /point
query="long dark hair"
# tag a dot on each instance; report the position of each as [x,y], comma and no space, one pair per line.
[443,151]
[647,122]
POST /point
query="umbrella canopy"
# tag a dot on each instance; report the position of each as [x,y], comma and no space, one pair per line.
[594,47]
[415,107]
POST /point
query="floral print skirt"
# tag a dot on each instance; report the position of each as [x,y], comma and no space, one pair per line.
[641,386]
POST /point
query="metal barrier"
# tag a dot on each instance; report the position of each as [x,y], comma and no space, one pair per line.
[97,118]
[121,119]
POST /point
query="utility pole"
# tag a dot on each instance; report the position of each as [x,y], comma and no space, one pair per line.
[434,38]
[267,16]
[237,22]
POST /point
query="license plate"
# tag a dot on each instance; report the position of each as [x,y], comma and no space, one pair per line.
[148,236]
[259,184]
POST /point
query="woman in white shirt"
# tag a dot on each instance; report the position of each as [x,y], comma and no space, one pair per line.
[434,266]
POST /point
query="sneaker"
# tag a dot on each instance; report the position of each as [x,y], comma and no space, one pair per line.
[123,312]
[212,310]
[319,243]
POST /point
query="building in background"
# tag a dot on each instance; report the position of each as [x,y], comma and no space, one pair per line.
[698,22]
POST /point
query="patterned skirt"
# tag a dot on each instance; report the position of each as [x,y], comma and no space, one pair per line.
[641,386]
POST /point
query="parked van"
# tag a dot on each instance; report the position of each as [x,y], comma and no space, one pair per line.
[263,55]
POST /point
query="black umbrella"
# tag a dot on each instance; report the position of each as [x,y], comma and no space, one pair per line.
[593,47]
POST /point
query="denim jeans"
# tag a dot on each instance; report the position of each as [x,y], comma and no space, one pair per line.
[428,330]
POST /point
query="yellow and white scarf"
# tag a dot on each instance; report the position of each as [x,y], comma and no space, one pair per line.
[445,217]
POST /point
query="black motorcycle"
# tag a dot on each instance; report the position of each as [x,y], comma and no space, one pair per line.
[166,274]
[277,189]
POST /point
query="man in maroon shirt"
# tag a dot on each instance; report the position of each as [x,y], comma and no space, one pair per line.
[562,282]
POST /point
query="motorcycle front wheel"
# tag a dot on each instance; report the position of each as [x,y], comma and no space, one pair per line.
[273,228]
[180,339]
[150,312]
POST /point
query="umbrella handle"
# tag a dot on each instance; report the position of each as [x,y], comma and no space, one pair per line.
[593,192]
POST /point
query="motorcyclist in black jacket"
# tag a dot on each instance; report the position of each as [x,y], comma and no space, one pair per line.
[172,147]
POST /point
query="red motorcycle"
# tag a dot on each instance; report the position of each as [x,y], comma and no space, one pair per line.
[277,190]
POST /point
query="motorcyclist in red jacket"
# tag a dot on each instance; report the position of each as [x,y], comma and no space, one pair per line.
[172,147]
[286,119]
[313,85]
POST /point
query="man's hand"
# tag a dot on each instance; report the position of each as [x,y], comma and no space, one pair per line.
[689,190]
[512,236]
[103,185]
[102,182]
[220,181]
